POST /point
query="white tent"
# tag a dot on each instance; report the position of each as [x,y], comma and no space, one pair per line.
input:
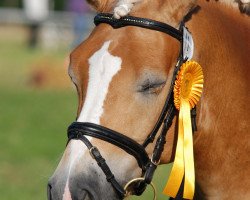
[36,10]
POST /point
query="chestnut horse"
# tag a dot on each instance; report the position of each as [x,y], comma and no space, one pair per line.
[123,77]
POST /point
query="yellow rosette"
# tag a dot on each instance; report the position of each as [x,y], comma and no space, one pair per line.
[187,92]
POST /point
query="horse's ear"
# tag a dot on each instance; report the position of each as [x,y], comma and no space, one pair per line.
[101,5]
[190,4]
[178,9]
[96,4]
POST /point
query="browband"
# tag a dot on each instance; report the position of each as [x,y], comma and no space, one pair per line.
[108,18]
[77,129]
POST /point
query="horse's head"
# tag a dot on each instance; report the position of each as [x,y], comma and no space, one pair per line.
[123,77]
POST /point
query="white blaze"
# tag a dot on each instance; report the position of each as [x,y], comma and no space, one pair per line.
[102,68]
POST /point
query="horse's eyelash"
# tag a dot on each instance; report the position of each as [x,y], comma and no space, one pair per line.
[146,87]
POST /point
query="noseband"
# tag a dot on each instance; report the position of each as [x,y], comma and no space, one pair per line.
[79,130]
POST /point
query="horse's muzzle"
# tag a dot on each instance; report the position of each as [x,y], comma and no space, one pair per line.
[77,195]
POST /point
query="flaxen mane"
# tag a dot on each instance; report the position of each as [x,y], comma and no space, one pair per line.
[123,7]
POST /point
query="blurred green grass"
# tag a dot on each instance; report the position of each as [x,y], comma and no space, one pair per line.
[33,123]
[33,134]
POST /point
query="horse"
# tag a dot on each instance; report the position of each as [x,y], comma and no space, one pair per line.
[123,76]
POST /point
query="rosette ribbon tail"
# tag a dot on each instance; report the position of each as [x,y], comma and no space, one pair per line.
[187,92]
[177,172]
[189,179]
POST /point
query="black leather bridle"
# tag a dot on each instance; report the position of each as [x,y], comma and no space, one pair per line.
[79,130]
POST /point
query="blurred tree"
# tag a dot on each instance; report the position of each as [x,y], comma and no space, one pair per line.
[59,4]
[11,3]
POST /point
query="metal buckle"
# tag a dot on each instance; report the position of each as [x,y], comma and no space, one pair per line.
[91,153]
[155,163]
[136,180]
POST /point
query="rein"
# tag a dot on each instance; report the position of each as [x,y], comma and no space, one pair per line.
[79,130]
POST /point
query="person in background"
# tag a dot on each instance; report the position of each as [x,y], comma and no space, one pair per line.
[36,12]
[80,25]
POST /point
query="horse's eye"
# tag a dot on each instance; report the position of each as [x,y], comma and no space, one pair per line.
[151,87]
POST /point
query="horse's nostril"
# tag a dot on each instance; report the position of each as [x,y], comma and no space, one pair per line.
[87,195]
[49,187]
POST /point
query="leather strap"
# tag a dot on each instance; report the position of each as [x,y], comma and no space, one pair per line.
[159,146]
[111,136]
[193,119]
[169,100]
[95,153]
[158,149]
[78,130]
[108,18]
